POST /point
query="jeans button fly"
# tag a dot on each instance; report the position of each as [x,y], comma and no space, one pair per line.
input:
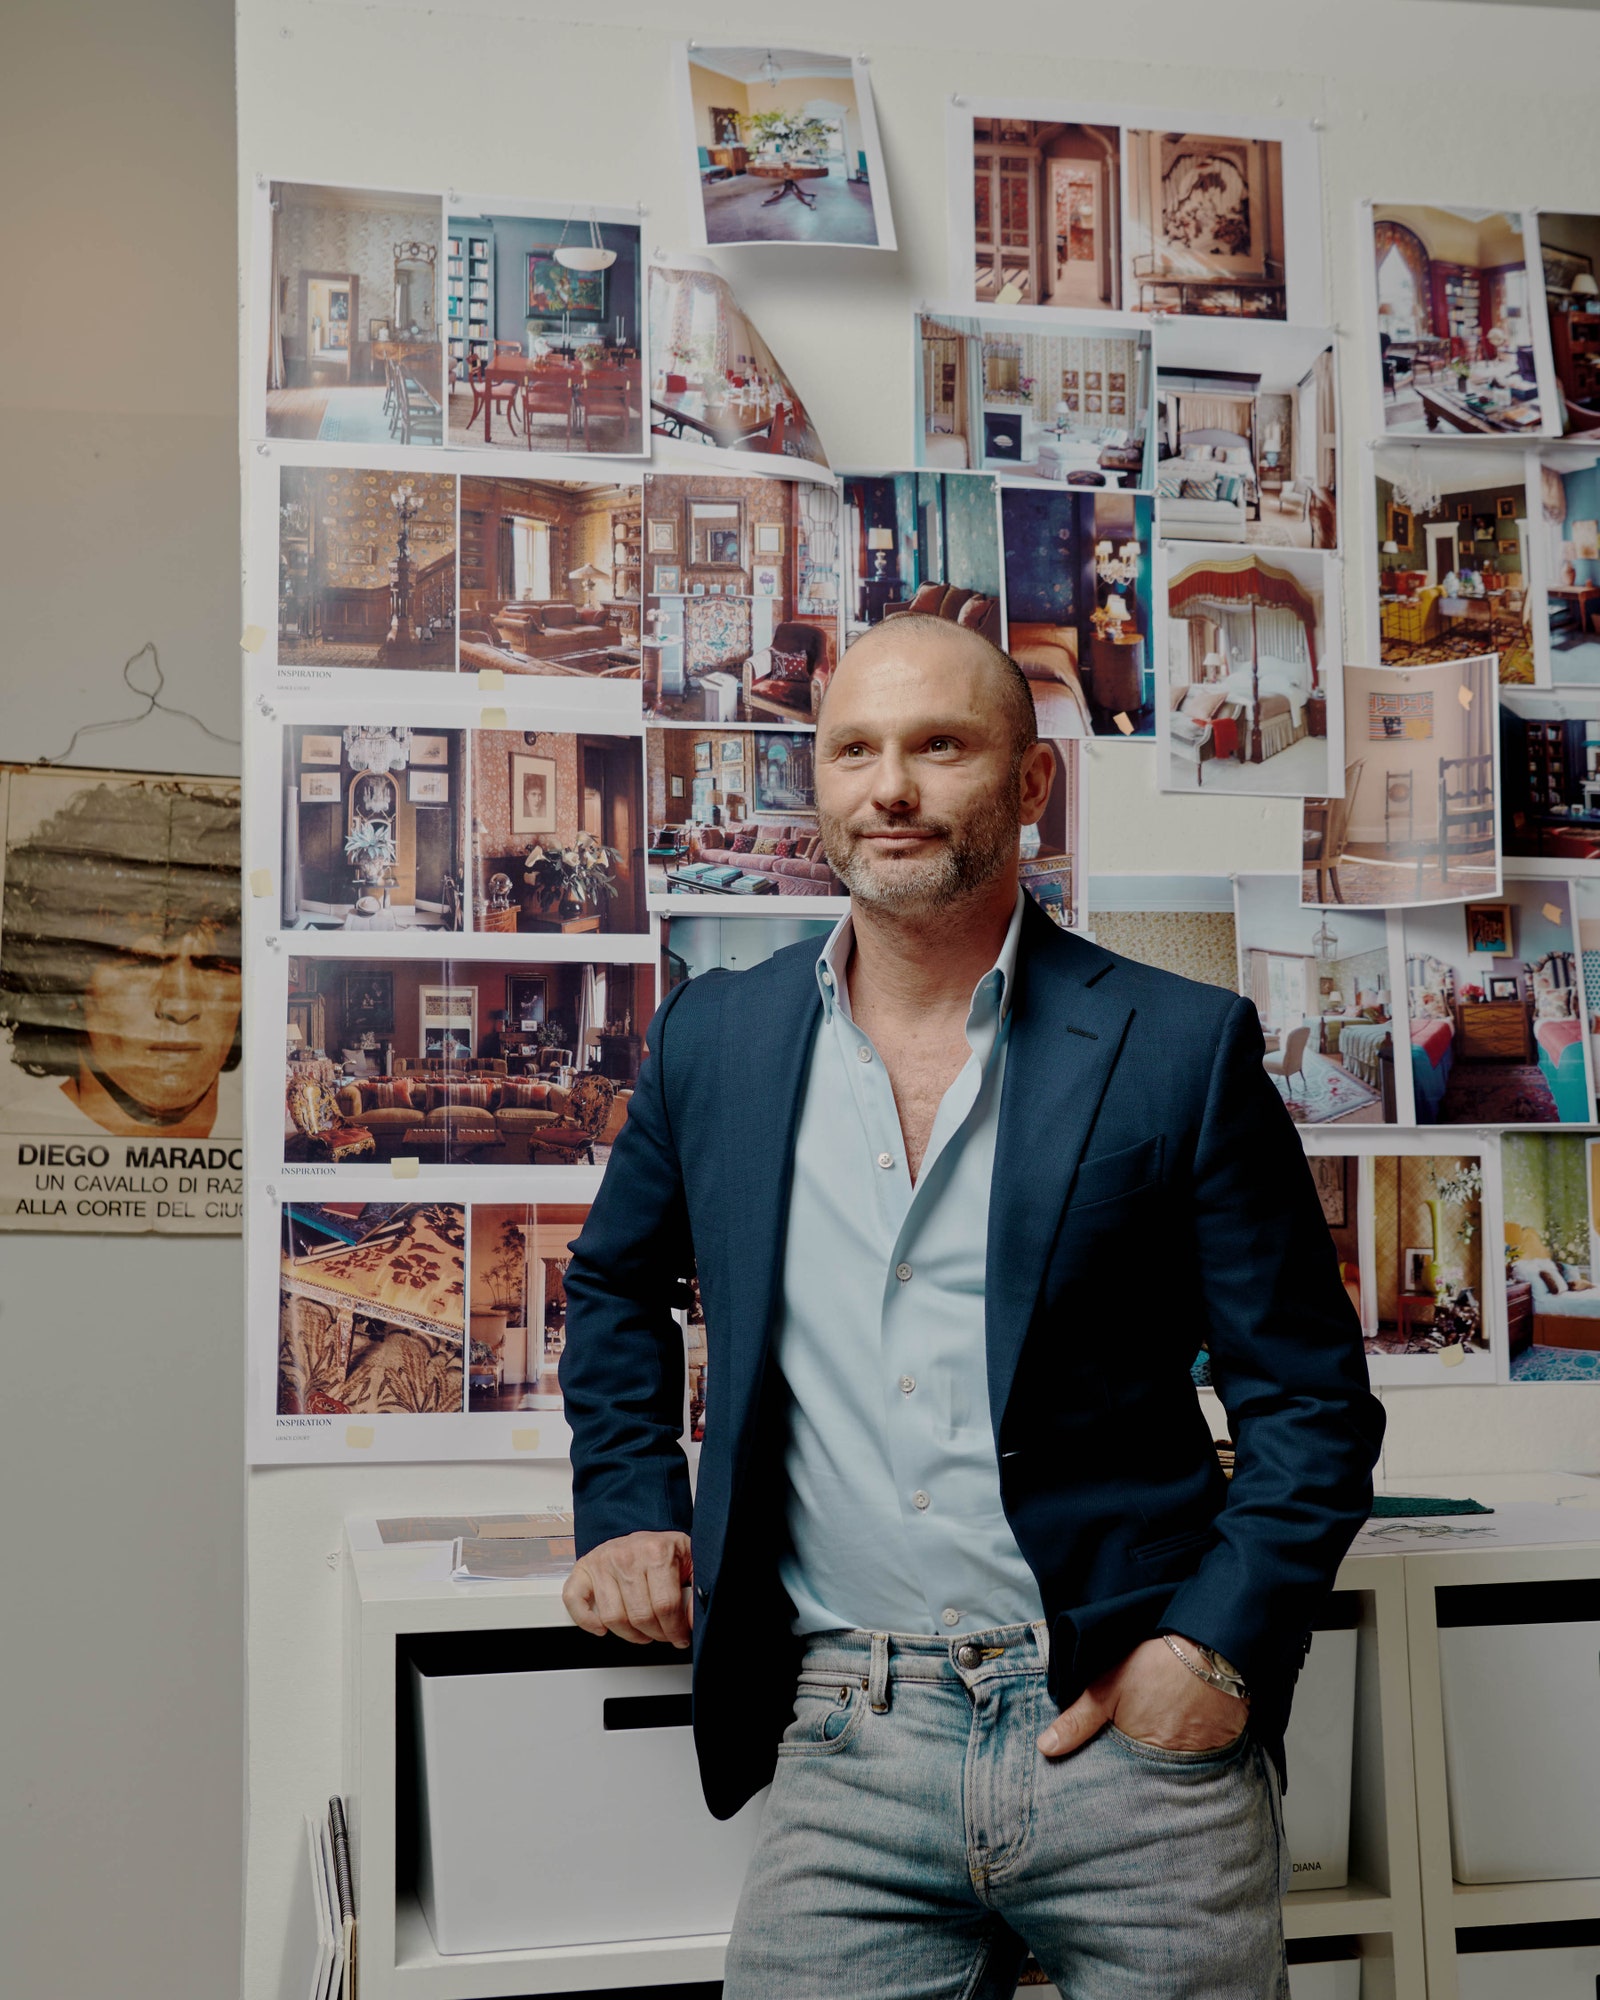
[969,1656]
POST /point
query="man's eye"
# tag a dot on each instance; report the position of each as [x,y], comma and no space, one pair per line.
[941,743]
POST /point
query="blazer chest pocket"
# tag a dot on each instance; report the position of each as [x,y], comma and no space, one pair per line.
[1116,1177]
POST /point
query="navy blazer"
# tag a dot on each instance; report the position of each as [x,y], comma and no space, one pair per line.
[1149,1193]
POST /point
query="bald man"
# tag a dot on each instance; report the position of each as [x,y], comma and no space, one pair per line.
[964,1194]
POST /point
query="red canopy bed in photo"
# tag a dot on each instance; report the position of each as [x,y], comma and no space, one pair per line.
[1256,608]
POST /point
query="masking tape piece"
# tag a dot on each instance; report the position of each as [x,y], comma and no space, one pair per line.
[492,718]
[1123,723]
[261,881]
[1553,913]
[524,1440]
[490,680]
[1451,1357]
[1008,295]
[252,638]
[359,1437]
[405,1166]
[1464,696]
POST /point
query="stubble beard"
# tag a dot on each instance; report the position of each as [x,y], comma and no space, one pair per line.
[973,853]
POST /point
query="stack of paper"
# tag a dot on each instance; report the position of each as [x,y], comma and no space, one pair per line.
[504,1556]
[320,1960]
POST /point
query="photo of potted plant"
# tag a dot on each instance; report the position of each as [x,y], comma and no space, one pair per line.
[571,877]
[369,847]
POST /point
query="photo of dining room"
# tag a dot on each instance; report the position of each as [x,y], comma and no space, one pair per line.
[353,350]
[543,325]
[1080,607]
[366,569]
[1254,694]
[1001,395]
[741,596]
[374,821]
[1247,431]
[1046,213]
[557,833]
[517,1301]
[1569,246]
[733,814]
[1180,923]
[1548,1195]
[715,385]
[1206,228]
[462,1062]
[1550,783]
[1418,821]
[784,148]
[371,1308]
[1567,531]
[1451,523]
[1495,1010]
[1322,982]
[550,574]
[927,542]
[1453,302]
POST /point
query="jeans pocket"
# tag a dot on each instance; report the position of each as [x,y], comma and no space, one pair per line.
[1216,1758]
[827,1714]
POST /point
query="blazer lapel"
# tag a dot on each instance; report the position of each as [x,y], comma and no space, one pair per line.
[1066,1032]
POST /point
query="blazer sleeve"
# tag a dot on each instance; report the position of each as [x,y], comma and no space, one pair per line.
[1288,1362]
[622,1369]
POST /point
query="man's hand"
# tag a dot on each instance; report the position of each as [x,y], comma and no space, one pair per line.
[636,1586]
[1153,1697]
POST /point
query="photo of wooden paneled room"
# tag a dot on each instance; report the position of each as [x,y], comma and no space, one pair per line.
[366,569]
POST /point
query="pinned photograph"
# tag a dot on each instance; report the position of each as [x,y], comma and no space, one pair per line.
[1452,297]
[1044,213]
[366,569]
[1568,248]
[375,844]
[550,578]
[923,542]
[1565,526]
[1418,821]
[517,1303]
[1080,607]
[1007,395]
[1206,227]
[1552,1224]
[351,327]
[743,636]
[1179,923]
[733,817]
[1550,783]
[544,323]
[1453,561]
[782,147]
[1254,674]
[716,387]
[1482,1056]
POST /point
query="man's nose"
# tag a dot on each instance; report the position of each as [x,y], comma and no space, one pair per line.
[178,989]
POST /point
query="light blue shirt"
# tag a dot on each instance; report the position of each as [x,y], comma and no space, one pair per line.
[894,1514]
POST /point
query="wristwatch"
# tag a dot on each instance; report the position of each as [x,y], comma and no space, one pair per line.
[1211,1667]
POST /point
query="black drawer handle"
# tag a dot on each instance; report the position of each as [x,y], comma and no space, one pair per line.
[646,1711]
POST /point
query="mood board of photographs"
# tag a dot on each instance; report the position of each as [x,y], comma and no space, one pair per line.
[548,572]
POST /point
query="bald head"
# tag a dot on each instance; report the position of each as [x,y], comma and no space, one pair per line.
[949,650]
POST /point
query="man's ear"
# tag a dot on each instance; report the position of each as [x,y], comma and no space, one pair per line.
[1037,776]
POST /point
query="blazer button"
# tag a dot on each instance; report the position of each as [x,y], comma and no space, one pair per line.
[701,1597]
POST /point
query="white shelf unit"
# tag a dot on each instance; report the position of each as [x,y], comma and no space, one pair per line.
[1447,1904]
[395,1592]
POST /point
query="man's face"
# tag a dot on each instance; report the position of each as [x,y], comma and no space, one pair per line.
[917,797]
[161,1018]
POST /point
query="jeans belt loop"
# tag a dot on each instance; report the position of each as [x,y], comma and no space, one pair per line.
[878,1680]
[1041,1638]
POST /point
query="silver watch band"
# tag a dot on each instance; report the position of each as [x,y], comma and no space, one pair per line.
[1229,1682]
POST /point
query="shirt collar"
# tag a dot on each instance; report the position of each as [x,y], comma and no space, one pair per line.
[834,959]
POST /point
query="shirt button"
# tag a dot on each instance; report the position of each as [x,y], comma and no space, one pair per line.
[886,1159]
[950,1617]
[902,1272]
[827,975]
[919,1500]
[907,1384]
[863,1055]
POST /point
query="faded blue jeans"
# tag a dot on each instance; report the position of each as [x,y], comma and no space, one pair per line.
[916,1840]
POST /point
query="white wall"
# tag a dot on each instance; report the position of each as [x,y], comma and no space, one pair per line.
[1422,101]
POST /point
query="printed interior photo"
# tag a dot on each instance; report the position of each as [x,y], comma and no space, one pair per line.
[1179,923]
[1586,904]
[715,384]
[1452,556]
[1454,328]
[741,596]
[1247,428]
[1550,783]
[543,326]
[1046,214]
[461,1062]
[354,349]
[1418,820]
[517,1302]
[785,148]
[374,819]
[1568,247]
[371,1308]
[1496,1012]
[557,833]
[366,569]
[1567,529]
[550,578]
[927,542]
[695,944]
[1254,696]
[1548,1193]
[1206,225]
[1003,395]
[1080,607]
[1322,983]
[733,812]
[1409,1232]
